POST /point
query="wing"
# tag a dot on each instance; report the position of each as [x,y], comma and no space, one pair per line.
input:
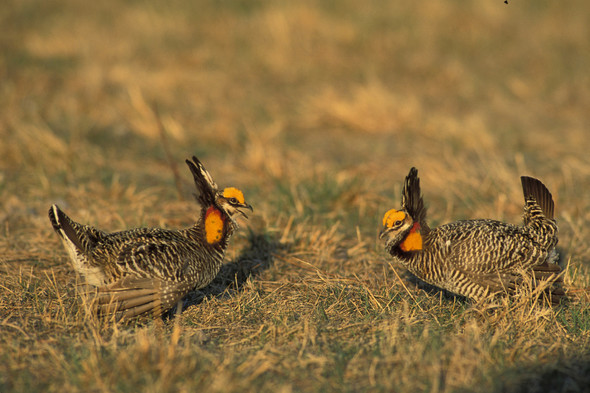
[149,271]
[163,256]
[412,200]
[485,256]
[131,297]
[479,285]
[486,246]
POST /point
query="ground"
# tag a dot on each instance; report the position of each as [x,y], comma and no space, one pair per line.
[316,110]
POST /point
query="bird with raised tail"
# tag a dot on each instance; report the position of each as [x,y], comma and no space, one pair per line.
[477,258]
[147,271]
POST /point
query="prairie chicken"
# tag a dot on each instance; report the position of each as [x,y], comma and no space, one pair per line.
[148,270]
[476,258]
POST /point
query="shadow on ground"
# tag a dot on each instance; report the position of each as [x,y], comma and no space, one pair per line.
[431,289]
[233,275]
[569,375]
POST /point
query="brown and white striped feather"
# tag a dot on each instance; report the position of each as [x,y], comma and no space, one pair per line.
[147,270]
[475,258]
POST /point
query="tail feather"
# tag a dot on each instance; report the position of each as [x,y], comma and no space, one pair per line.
[64,227]
[79,241]
[533,188]
[82,237]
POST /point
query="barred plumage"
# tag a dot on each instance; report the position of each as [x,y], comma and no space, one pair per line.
[148,270]
[477,258]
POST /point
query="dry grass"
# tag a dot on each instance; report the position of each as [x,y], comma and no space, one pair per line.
[316,109]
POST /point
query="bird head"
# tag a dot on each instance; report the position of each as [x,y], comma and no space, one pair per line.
[231,201]
[398,225]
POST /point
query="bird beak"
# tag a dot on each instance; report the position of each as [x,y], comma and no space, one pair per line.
[384,232]
[245,206]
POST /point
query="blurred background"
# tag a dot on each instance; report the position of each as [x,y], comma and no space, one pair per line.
[315,108]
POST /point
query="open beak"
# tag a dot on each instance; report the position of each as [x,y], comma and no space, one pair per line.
[245,206]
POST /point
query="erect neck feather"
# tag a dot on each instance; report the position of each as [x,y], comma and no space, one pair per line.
[215,222]
[412,242]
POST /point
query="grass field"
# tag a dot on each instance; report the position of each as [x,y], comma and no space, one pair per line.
[316,110]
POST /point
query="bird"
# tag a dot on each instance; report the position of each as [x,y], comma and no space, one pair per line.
[147,271]
[480,258]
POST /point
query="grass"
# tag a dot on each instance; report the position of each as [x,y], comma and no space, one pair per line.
[316,110]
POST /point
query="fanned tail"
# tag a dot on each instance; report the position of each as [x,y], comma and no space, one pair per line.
[534,189]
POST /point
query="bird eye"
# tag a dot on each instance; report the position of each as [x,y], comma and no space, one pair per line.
[398,222]
[233,200]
